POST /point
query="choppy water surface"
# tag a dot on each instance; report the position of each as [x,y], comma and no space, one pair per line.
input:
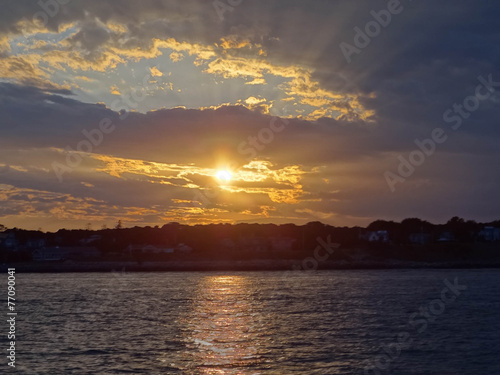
[329,322]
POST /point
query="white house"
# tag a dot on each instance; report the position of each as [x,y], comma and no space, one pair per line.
[375,236]
[490,234]
[183,248]
[90,239]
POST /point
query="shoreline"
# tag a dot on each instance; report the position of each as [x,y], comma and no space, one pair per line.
[228,266]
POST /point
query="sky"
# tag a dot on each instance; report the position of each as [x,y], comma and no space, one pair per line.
[228,111]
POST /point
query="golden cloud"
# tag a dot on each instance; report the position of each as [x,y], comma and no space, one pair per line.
[84,78]
[176,56]
[283,184]
[256,81]
[258,172]
[232,42]
[155,72]
[217,59]
[300,85]
[114,90]
[4,45]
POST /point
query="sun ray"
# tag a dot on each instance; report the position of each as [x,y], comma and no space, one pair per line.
[223,176]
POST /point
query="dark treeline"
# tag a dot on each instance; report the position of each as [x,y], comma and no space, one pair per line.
[410,239]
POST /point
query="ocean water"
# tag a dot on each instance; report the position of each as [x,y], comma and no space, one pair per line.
[249,323]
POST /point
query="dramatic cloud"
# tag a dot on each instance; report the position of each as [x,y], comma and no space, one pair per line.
[336,111]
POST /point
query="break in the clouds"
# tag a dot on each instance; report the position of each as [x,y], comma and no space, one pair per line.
[342,112]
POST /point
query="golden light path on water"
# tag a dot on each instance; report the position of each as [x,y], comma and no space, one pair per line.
[225,331]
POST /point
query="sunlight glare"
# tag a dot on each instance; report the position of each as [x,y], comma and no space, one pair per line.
[223,176]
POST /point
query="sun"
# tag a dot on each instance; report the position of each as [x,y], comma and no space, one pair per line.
[223,176]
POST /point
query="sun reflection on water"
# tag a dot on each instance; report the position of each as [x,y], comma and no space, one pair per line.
[225,331]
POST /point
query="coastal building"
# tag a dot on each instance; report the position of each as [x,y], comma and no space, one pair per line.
[183,248]
[375,236]
[35,243]
[420,238]
[253,244]
[8,241]
[490,234]
[57,253]
[90,239]
[446,237]
[147,249]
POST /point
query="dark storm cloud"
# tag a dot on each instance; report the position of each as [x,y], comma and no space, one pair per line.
[174,135]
